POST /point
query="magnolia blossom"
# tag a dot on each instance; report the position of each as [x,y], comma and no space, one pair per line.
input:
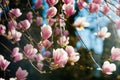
[39,57]
[118,24]
[38,4]
[68,1]
[47,54]
[46,31]
[40,47]
[14,13]
[68,9]
[1,57]
[21,74]
[3,63]
[40,66]
[19,26]
[12,24]
[81,4]
[65,33]
[51,12]
[52,2]
[30,51]
[60,57]
[103,33]
[29,16]
[80,23]
[39,21]
[108,67]
[47,43]
[115,53]
[93,7]
[73,56]
[105,9]
[63,41]
[97,1]
[57,31]
[25,24]
[51,21]
[2,29]
[16,54]
[16,35]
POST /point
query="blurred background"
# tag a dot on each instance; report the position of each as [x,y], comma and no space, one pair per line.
[85,69]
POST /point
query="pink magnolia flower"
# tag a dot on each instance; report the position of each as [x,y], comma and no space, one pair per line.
[105,9]
[40,47]
[1,57]
[19,26]
[38,4]
[12,24]
[51,21]
[21,74]
[46,31]
[68,1]
[39,57]
[18,57]
[52,2]
[51,12]
[60,57]
[103,33]
[57,31]
[93,7]
[25,24]
[40,66]
[81,4]
[73,56]
[39,21]
[16,54]
[29,16]
[2,29]
[97,1]
[115,53]
[80,23]
[70,50]
[118,24]
[47,43]
[65,33]
[3,63]
[47,54]
[14,13]
[30,51]
[63,41]
[68,9]
[16,35]
[108,67]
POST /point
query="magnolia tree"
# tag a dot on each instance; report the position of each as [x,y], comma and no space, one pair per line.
[53,49]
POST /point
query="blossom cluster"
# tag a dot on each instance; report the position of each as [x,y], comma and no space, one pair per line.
[53,46]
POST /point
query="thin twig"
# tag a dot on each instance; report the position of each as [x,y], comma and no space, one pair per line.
[36,67]
[90,53]
[6,47]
